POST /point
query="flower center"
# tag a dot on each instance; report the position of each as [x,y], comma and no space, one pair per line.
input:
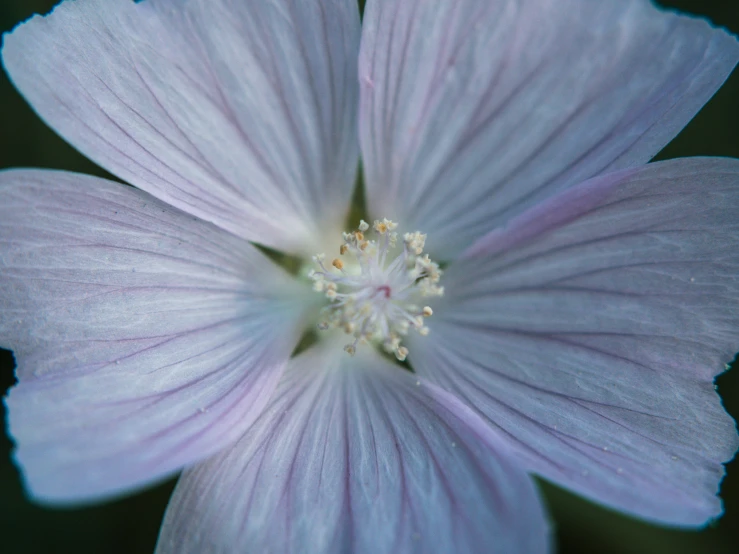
[374,300]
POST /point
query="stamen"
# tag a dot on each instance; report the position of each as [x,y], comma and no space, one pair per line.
[372,300]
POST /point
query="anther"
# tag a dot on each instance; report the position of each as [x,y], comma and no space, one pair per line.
[401,353]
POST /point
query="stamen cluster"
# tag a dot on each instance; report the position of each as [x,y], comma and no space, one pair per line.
[372,300]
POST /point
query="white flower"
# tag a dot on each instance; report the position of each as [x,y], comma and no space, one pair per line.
[585,305]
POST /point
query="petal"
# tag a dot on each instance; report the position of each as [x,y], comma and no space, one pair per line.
[473,111]
[241,113]
[145,339]
[590,331]
[353,455]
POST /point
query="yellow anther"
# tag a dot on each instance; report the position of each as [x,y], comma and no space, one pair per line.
[380,226]
[337,263]
[401,353]
[415,242]
[343,249]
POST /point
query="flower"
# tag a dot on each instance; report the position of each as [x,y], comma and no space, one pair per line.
[584,305]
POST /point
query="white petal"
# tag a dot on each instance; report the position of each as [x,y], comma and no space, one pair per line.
[590,331]
[145,338]
[474,110]
[353,456]
[242,113]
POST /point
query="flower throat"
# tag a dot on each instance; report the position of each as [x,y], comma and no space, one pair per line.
[371,299]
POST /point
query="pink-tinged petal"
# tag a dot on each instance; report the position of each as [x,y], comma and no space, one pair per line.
[241,113]
[146,339]
[355,455]
[590,331]
[473,111]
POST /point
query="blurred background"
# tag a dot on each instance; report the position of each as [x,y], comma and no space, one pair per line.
[130,526]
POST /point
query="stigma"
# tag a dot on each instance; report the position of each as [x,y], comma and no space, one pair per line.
[375,289]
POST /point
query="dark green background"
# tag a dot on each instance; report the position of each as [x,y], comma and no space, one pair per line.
[130,526]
